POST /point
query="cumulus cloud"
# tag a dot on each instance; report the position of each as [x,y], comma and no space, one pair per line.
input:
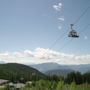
[41,55]
[58,6]
[61,19]
[45,53]
[6,57]
[4,54]
[28,53]
[18,54]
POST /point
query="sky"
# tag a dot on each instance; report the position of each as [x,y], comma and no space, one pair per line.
[29,29]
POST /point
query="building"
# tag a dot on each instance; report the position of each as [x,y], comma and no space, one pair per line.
[2,82]
[18,86]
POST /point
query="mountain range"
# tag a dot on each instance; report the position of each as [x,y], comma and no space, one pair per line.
[40,69]
[54,68]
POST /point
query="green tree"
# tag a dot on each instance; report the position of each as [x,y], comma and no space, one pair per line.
[72,86]
[60,85]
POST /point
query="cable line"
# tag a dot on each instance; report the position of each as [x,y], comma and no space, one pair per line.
[72,39]
[82,15]
[84,28]
[60,37]
[65,44]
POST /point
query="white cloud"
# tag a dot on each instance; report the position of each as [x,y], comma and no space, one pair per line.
[47,54]
[59,27]
[28,53]
[6,57]
[85,37]
[41,55]
[58,7]
[5,54]
[18,54]
[61,19]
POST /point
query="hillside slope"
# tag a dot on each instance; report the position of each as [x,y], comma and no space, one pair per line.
[14,71]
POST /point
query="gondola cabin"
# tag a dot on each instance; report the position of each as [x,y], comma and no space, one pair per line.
[73,33]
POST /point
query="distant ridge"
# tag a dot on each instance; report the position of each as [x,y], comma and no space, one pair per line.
[2,62]
[45,67]
[59,72]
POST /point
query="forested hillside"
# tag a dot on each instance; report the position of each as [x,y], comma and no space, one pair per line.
[14,72]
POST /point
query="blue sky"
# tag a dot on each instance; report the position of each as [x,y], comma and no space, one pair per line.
[31,24]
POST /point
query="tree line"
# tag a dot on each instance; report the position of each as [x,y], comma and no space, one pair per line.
[76,77]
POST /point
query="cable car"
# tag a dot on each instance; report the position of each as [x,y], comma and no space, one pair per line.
[73,33]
